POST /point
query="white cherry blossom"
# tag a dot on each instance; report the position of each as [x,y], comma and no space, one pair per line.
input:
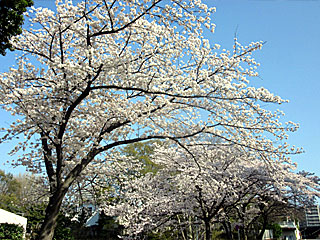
[99,74]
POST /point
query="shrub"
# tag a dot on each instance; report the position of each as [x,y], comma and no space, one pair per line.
[11,231]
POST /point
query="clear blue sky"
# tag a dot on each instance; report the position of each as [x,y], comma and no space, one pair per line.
[290,61]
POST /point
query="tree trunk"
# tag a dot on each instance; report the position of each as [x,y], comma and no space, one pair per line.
[208,230]
[264,226]
[243,233]
[52,212]
[227,228]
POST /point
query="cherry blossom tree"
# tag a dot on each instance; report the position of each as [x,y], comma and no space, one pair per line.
[201,185]
[267,202]
[100,74]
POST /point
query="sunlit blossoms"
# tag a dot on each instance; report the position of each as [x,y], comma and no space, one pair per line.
[204,186]
[100,74]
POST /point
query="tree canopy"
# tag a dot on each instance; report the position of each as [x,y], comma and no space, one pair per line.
[207,185]
[95,76]
[11,20]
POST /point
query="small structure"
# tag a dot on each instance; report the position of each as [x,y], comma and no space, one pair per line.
[313,216]
[94,219]
[310,226]
[11,218]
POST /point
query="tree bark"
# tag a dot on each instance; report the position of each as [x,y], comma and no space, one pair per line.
[208,230]
[52,212]
[264,226]
[227,227]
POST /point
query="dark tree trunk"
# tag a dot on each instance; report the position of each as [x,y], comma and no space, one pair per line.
[264,226]
[243,233]
[227,228]
[52,212]
[208,229]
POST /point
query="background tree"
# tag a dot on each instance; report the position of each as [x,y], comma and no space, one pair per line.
[9,191]
[142,151]
[11,20]
[24,195]
[279,194]
[20,192]
[198,187]
[108,73]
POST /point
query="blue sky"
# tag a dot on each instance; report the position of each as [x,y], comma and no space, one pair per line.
[290,61]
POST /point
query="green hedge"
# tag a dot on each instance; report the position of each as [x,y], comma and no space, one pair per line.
[11,231]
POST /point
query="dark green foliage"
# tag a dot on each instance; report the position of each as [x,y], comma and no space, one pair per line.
[167,235]
[11,231]
[35,215]
[63,229]
[11,20]
[108,228]
[276,229]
